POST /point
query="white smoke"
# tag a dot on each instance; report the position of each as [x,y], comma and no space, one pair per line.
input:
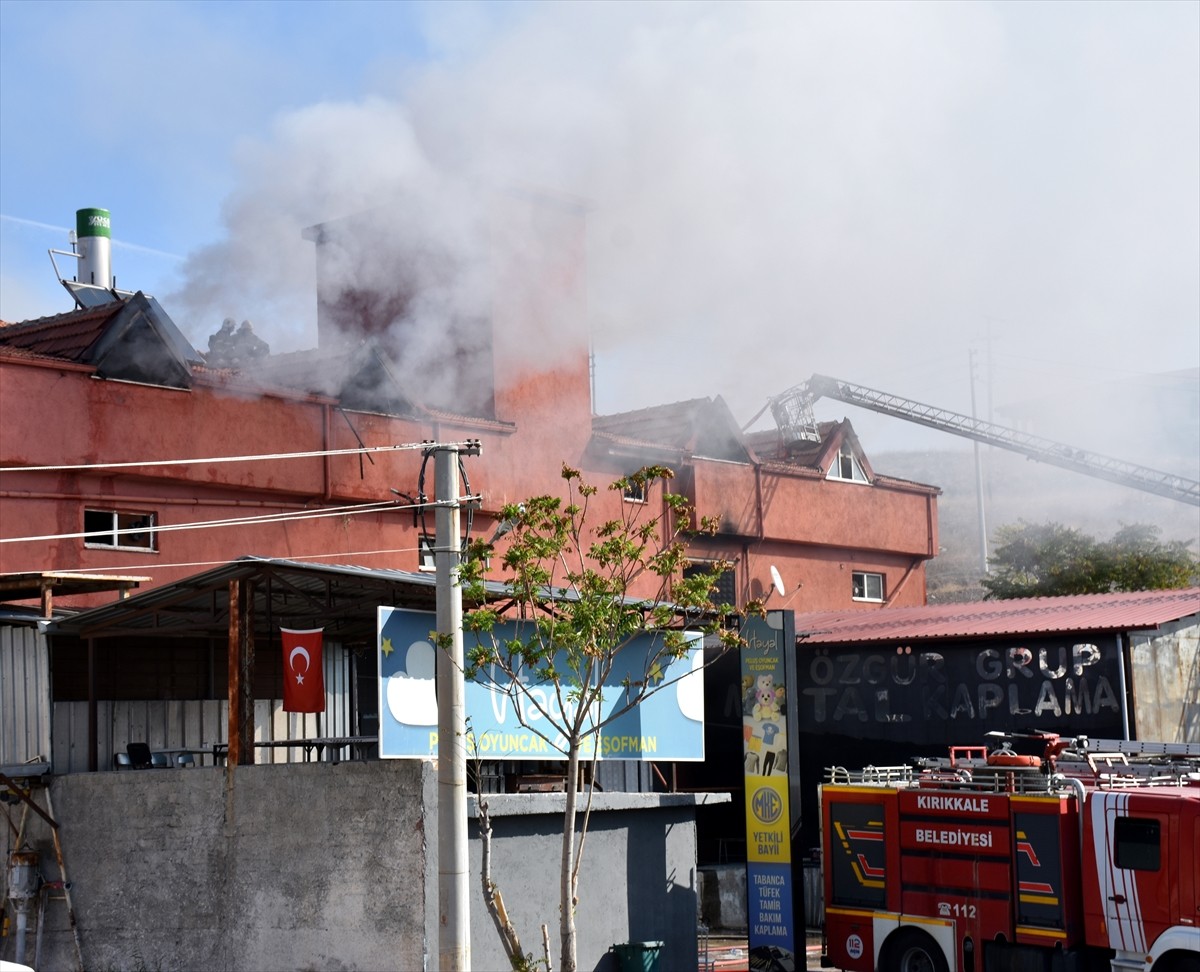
[867,190]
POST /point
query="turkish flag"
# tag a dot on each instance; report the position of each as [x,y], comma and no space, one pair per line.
[303,676]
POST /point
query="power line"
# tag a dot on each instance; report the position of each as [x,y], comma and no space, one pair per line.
[407,446]
[219,563]
[232,521]
[265,518]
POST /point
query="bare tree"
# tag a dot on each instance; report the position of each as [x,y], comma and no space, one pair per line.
[570,586]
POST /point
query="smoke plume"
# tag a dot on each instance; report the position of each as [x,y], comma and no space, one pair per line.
[867,190]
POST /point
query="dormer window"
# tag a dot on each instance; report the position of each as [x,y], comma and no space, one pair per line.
[846,466]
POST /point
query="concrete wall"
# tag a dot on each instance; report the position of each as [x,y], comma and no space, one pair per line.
[295,866]
[638,881]
[334,866]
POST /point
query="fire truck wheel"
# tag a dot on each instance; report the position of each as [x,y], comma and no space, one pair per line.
[1178,962]
[910,950]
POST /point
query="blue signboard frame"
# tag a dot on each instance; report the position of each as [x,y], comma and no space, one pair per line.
[666,725]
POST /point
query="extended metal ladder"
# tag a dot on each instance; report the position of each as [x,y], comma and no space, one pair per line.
[793,415]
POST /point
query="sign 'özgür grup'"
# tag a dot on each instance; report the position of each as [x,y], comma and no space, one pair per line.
[917,691]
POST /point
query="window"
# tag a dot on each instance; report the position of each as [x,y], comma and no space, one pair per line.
[867,587]
[426,560]
[726,592]
[635,492]
[117,530]
[847,466]
[1136,843]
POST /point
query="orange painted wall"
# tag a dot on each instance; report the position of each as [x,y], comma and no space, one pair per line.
[814,531]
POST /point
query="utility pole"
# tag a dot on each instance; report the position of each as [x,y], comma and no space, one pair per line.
[454,925]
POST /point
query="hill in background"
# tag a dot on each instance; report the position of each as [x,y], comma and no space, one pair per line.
[1016,488]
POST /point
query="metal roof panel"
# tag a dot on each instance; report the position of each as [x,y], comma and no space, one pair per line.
[1125,611]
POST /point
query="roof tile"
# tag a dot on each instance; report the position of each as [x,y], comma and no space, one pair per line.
[66,335]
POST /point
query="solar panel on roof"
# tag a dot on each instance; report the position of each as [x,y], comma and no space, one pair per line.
[88,296]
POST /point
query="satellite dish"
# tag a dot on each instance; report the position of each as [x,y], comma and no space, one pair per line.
[777,581]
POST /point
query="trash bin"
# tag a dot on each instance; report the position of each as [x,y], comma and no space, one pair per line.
[638,956]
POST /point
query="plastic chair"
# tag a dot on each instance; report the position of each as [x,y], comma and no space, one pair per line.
[159,761]
[139,755]
[121,761]
[184,760]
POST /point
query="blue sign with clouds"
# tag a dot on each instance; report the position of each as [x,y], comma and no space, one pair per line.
[505,723]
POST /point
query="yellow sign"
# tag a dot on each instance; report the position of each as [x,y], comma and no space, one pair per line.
[767,820]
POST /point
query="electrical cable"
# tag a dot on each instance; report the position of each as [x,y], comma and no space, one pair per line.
[422,499]
[232,521]
[83,467]
[221,563]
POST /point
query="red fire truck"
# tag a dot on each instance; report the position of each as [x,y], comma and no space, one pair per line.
[1040,855]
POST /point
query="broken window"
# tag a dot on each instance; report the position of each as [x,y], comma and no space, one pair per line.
[121,530]
[846,466]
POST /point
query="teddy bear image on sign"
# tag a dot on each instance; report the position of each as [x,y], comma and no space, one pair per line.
[763,715]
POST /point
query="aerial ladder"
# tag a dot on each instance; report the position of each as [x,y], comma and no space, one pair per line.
[793,414]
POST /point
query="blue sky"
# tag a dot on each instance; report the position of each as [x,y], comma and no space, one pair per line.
[868,190]
[141,107]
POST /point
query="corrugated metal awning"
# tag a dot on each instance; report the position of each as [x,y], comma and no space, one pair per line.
[341,599]
[1128,611]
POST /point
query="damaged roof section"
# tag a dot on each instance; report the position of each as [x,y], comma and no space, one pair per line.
[705,428]
[361,377]
[835,452]
[129,340]
[701,427]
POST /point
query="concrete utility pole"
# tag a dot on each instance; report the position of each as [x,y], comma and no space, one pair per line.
[454,925]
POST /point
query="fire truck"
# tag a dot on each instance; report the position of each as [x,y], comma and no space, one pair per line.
[1031,854]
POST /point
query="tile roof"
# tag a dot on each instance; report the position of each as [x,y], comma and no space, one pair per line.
[1126,611]
[673,424]
[67,335]
[318,372]
[698,427]
[768,444]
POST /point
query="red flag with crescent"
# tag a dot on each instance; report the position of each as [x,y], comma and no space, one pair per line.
[303,675]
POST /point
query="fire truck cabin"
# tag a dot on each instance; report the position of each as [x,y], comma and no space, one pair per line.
[1071,862]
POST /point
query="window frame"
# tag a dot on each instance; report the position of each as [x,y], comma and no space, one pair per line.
[846,454]
[426,556]
[866,595]
[727,581]
[1133,850]
[635,493]
[121,520]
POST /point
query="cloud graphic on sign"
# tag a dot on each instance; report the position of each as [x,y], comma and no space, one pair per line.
[689,690]
[411,695]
